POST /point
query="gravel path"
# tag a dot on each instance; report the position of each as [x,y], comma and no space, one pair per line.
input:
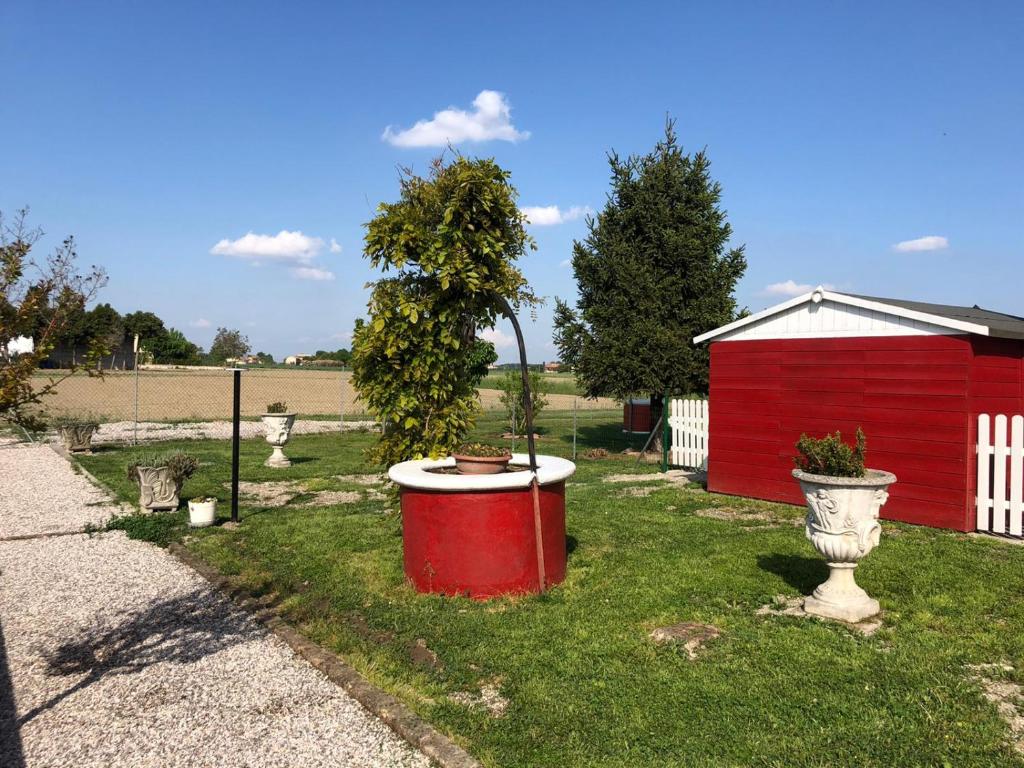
[39,494]
[119,655]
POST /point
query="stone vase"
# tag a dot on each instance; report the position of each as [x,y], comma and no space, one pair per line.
[279,430]
[77,438]
[157,489]
[842,524]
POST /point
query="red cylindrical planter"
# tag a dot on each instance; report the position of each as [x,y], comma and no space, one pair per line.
[482,544]
[478,541]
[637,415]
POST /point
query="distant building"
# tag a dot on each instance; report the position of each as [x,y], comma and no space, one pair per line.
[296,359]
[554,367]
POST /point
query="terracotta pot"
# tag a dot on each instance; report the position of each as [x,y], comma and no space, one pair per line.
[481,465]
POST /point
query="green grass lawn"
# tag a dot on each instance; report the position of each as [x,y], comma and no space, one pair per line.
[556,383]
[585,685]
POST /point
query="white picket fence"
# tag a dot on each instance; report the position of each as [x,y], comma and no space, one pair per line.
[1000,498]
[688,424]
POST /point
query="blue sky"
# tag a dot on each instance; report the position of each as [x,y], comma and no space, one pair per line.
[155,131]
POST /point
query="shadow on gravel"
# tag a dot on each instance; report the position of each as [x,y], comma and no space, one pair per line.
[11,755]
[179,630]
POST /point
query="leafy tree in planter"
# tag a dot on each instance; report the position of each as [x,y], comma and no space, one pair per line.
[654,271]
[452,239]
[38,299]
[228,344]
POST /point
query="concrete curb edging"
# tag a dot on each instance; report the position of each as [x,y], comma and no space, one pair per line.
[396,715]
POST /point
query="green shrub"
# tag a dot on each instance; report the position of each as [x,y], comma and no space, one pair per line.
[278,407]
[829,455]
[181,465]
[511,387]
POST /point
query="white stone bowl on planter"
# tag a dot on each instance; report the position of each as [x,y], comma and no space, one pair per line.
[842,524]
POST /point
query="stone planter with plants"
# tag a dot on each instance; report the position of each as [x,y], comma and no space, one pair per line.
[160,477]
[76,432]
[481,459]
[279,425]
[202,512]
[843,503]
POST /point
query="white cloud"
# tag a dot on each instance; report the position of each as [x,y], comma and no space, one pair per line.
[312,273]
[565,263]
[284,246]
[499,339]
[928,243]
[792,288]
[490,120]
[202,322]
[549,215]
[335,246]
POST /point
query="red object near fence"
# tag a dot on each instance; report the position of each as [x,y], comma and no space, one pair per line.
[914,380]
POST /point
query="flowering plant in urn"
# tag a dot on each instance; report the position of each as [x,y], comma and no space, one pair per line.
[843,503]
[279,429]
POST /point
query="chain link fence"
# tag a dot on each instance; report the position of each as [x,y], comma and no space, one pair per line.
[165,402]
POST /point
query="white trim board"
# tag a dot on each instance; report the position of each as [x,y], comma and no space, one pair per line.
[827,314]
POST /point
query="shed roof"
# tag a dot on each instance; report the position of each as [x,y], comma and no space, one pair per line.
[982,322]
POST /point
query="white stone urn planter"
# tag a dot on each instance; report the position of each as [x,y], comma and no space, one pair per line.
[279,430]
[202,512]
[77,438]
[158,489]
[842,524]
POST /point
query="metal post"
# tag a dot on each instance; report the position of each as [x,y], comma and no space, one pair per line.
[236,418]
[538,530]
[665,434]
[574,429]
[342,388]
[135,439]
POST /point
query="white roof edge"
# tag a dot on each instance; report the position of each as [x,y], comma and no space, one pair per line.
[855,301]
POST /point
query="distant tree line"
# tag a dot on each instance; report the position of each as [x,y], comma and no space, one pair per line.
[105,328]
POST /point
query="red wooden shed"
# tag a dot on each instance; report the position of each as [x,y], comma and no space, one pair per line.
[915,376]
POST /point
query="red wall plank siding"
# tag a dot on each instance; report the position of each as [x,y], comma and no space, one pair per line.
[996,386]
[915,397]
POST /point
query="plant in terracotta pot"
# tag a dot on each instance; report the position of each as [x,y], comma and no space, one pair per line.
[76,432]
[481,459]
[843,502]
[279,423]
[160,477]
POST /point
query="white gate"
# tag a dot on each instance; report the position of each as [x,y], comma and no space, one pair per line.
[688,423]
[1000,497]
